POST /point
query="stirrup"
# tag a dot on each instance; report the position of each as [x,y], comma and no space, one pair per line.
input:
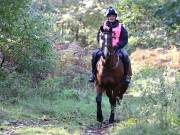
[92,79]
[126,79]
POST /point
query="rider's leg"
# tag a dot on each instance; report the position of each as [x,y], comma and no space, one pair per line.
[95,57]
[125,60]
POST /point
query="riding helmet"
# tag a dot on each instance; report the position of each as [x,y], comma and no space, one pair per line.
[111,11]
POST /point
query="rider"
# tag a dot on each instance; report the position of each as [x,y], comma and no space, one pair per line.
[120,39]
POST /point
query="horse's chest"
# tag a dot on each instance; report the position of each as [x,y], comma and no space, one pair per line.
[107,78]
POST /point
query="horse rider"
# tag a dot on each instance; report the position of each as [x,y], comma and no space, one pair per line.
[119,41]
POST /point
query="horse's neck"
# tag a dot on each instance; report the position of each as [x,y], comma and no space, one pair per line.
[111,61]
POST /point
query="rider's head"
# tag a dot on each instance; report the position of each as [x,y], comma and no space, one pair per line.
[111,14]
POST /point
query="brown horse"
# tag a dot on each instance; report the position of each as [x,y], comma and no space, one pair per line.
[109,76]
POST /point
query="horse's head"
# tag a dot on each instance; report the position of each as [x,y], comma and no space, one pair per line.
[106,43]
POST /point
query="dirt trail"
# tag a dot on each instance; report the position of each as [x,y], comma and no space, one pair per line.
[99,128]
[96,129]
[14,125]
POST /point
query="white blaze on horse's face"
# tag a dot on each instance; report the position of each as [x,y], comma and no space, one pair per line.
[105,46]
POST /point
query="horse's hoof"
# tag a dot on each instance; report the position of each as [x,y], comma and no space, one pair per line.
[100,119]
[111,121]
[118,101]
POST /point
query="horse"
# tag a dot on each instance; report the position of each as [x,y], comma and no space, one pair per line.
[109,76]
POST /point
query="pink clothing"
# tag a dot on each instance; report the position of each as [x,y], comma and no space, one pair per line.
[116,32]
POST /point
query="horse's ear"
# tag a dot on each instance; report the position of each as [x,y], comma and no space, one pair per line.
[101,28]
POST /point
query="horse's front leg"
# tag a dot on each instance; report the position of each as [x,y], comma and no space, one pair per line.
[112,101]
[99,110]
[98,101]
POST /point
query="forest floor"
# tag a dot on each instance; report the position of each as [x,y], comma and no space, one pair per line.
[25,124]
[159,57]
[37,124]
[12,127]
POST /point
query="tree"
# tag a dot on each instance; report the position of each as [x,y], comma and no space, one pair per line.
[24,37]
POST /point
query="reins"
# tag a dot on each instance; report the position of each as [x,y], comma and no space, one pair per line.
[111,53]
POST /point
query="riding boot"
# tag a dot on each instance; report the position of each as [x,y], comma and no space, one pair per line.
[92,78]
[126,68]
[93,75]
[95,57]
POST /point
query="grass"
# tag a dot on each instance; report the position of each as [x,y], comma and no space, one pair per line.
[151,106]
[73,110]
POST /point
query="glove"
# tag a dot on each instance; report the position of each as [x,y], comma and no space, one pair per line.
[106,28]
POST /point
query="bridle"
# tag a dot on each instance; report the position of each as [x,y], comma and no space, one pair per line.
[106,51]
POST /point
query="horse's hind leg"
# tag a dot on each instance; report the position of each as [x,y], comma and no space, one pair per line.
[118,99]
[99,111]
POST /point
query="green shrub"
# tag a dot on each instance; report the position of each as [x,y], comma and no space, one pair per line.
[14,86]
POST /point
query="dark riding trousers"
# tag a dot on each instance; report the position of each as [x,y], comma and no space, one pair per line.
[97,53]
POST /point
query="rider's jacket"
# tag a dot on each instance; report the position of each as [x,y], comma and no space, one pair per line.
[120,35]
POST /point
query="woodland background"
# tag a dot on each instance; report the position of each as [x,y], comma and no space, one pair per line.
[45,62]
